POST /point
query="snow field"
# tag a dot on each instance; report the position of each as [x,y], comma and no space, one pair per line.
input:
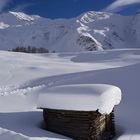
[24,76]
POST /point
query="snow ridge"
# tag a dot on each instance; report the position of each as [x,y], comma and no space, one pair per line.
[23,16]
[92,16]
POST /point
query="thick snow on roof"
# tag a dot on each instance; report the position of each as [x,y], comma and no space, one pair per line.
[86,97]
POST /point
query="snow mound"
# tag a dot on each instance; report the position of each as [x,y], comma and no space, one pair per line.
[23,16]
[86,97]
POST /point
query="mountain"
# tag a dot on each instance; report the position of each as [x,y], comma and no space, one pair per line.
[89,31]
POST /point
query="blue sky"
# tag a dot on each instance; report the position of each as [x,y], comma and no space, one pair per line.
[69,8]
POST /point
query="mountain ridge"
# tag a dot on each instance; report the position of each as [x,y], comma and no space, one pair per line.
[88,32]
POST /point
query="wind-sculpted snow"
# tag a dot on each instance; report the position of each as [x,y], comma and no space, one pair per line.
[24,76]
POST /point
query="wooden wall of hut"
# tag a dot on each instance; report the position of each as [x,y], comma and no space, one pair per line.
[80,125]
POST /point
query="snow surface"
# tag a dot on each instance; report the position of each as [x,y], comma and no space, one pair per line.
[83,97]
[24,76]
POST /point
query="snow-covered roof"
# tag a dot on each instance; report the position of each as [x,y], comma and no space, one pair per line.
[83,97]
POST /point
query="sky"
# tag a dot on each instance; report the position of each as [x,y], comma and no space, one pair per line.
[69,8]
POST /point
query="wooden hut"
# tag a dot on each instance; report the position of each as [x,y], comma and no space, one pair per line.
[80,123]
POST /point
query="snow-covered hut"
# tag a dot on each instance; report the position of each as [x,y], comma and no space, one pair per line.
[82,112]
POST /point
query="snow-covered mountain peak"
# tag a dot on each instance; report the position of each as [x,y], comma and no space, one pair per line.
[87,32]
[23,16]
[92,16]
[16,19]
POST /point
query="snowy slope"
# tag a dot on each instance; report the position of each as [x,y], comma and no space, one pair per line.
[89,31]
[24,76]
